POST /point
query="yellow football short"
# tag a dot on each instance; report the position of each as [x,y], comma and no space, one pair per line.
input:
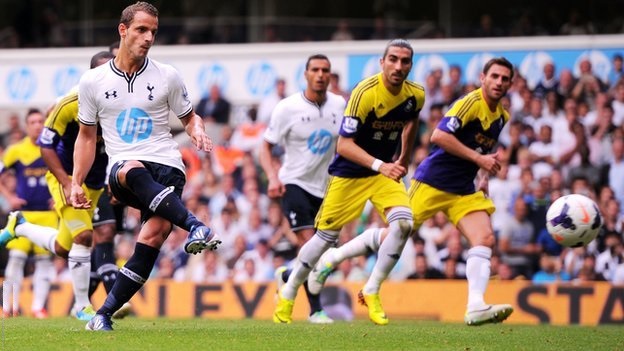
[45,218]
[73,221]
[426,201]
[345,199]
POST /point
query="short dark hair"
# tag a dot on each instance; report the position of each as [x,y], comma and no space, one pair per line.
[316,57]
[102,55]
[401,43]
[501,61]
[127,15]
[31,111]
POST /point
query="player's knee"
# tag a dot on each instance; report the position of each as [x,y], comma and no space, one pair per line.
[123,171]
[487,239]
[104,233]
[85,238]
[405,226]
[61,251]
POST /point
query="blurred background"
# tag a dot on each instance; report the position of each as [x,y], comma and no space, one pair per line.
[64,23]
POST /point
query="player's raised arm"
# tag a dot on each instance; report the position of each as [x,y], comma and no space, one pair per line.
[84,155]
[194,127]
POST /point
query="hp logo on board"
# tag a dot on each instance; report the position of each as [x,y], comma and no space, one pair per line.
[64,79]
[134,125]
[212,74]
[21,84]
[261,79]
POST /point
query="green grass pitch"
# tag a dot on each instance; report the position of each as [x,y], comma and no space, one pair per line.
[203,334]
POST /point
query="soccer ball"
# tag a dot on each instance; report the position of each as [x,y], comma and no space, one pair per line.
[573,220]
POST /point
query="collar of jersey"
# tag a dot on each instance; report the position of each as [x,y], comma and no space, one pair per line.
[125,75]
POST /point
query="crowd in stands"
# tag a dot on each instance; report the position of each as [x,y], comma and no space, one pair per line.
[566,135]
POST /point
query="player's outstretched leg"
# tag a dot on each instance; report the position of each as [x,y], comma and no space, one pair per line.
[490,314]
[164,201]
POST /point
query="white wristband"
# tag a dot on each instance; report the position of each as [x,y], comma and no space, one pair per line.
[376,164]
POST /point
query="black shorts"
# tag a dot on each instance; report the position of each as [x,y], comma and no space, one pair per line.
[106,213]
[300,207]
[165,175]
[103,213]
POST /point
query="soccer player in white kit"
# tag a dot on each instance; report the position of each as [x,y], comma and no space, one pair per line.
[306,124]
[131,97]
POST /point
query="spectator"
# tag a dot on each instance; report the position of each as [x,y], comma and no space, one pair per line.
[455,82]
[617,71]
[608,260]
[587,273]
[423,271]
[550,271]
[616,170]
[334,86]
[283,241]
[552,110]
[255,229]
[602,136]
[535,118]
[516,241]
[214,107]
[206,268]
[268,102]
[612,219]
[591,118]
[566,84]
[453,255]
[247,136]
[255,265]
[576,25]
[588,84]
[548,83]
[618,104]
[14,131]
[501,191]
[543,152]
[226,156]
[342,32]
[486,27]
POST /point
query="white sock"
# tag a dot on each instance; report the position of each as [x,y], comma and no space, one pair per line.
[307,258]
[400,220]
[369,240]
[80,268]
[14,276]
[478,275]
[41,281]
[38,234]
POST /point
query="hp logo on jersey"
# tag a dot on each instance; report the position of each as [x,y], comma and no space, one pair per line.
[134,125]
[319,141]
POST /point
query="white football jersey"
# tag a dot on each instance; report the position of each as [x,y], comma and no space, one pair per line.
[133,110]
[308,133]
